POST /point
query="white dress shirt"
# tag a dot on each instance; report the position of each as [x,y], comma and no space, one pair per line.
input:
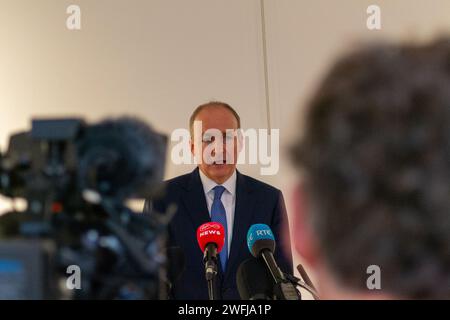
[228,200]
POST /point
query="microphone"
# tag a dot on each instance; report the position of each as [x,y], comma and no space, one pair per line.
[210,238]
[261,243]
[253,280]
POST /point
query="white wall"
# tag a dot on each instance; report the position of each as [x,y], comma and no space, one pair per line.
[158,59]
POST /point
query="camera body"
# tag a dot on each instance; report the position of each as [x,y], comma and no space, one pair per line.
[76,179]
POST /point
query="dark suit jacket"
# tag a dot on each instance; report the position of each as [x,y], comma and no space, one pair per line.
[256,202]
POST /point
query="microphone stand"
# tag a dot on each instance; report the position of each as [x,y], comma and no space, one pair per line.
[283,288]
[211,287]
[286,290]
[306,284]
[210,259]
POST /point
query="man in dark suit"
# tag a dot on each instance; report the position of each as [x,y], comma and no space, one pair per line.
[216,191]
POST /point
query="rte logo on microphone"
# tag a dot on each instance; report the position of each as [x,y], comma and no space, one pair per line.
[262,233]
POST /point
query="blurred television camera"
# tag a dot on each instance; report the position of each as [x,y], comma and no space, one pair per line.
[77,238]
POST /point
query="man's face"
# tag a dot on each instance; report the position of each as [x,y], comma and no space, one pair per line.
[217,119]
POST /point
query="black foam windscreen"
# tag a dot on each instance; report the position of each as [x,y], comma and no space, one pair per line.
[262,244]
[254,281]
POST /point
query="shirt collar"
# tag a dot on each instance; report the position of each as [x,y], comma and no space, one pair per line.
[208,184]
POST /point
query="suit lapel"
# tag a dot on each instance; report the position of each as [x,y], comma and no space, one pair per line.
[243,215]
[195,201]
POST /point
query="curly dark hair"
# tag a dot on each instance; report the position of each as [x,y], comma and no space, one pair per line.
[375,158]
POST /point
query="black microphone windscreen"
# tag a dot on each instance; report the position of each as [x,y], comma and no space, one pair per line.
[254,281]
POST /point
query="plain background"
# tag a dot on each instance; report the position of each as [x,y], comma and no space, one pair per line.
[159,59]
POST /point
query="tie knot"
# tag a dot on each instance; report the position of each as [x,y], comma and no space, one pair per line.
[218,191]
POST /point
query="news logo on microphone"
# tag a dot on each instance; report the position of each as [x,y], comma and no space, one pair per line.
[211,232]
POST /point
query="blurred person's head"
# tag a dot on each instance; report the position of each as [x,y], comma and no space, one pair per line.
[218,141]
[374,161]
